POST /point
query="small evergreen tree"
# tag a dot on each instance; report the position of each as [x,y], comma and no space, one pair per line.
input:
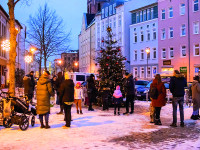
[111,63]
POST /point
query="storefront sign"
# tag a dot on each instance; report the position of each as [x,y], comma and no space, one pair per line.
[183,69]
[166,62]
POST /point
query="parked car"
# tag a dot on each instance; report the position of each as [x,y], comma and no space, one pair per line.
[141,83]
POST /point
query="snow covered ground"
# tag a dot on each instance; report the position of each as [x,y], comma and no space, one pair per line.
[102,130]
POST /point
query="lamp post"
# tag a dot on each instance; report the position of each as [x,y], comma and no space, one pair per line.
[75,64]
[147,50]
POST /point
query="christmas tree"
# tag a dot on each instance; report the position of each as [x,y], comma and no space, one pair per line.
[111,63]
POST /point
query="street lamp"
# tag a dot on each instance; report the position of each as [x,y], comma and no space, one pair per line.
[147,50]
[75,64]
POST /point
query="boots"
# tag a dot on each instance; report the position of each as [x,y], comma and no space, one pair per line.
[47,126]
[195,117]
[114,112]
[81,112]
[118,113]
[152,119]
[42,125]
[77,111]
[158,122]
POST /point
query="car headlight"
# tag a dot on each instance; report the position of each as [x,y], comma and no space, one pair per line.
[146,91]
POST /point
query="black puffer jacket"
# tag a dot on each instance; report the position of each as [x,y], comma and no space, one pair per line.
[129,85]
[67,91]
[177,85]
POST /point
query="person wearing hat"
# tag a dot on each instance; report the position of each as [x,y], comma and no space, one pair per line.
[29,85]
[78,96]
[67,98]
[91,90]
[196,98]
[43,94]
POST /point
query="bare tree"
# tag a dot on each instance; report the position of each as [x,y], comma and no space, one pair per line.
[46,32]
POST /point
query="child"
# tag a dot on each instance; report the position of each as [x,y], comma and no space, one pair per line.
[117,98]
[78,96]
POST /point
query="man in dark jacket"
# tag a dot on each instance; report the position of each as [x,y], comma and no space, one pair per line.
[129,85]
[176,86]
[91,89]
[29,85]
[67,98]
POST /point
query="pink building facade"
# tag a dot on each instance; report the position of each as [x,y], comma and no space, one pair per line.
[179,37]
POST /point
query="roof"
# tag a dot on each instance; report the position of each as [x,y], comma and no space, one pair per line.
[18,23]
[5,13]
[89,19]
[118,2]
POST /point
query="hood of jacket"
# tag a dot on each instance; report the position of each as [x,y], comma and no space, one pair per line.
[130,76]
[44,79]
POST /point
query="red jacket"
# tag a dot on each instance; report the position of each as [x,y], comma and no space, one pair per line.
[161,100]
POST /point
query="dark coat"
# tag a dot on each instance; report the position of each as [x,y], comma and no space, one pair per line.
[29,85]
[129,85]
[67,91]
[91,89]
[177,85]
[161,100]
[196,95]
[43,93]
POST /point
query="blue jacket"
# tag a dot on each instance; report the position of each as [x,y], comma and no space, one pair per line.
[177,85]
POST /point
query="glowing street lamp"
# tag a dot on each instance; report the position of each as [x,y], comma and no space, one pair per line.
[32,50]
[76,64]
[6,45]
[59,61]
[147,50]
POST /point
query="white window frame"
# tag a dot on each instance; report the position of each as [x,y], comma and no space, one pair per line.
[149,14]
[163,32]
[141,52]
[145,14]
[106,12]
[103,13]
[141,34]
[154,50]
[141,16]
[181,48]
[183,27]
[171,11]
[170,32]
[195,48]
[152,13]
[141,72]
[196,25]
[149,68]
[114,9]
[134,70]
[163,12]
[119,21]
[137,17]
[148,35]
[182,9]
[195,3]
[170,52]
[152,71]
[135,35]
[135,53]
[165,53]
[154,33]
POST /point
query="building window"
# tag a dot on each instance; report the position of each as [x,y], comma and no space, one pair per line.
[196,5]
[142,72]
[182,9]
[183,51]
[135,72]
[163,53]
[114,23]
[149,14]
[183,30]
[135,54]
[142,37]
[196,28]
[98,28]
[142,54]
[154,34]
[196,49]
[106,12]
[141,16]
[163,36]
[171,32]
[152,13]
[120,21]
[145,15]
[171,52]
[154,53]
[110,24]
[148,72]
[102,13]
[170,12]
[138,17]
[148,35]
[110,10]
[135,37]
[114,9]
[102,26]
[163,14]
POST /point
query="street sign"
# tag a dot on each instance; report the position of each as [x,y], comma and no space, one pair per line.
[154,71]
[196,70]
[183,69]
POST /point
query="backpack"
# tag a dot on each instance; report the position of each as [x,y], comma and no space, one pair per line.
[153,93]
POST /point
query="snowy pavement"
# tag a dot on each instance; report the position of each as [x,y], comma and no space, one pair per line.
[101,130]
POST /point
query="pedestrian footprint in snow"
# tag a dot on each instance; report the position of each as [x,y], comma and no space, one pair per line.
[117,99]
[78,96]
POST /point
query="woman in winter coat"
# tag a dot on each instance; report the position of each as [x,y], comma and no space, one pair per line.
[67,98]
[44,91]
[196,98]
[78,96]
[161,99]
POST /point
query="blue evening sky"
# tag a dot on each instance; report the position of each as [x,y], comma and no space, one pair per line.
[71,11]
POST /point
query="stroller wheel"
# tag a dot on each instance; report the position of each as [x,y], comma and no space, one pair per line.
[7,123]
[33,121]
[24,124]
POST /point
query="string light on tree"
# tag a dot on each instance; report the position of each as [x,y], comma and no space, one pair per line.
[28,58]
[6,45]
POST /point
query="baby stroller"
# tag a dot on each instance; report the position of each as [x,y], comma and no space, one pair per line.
[17,111]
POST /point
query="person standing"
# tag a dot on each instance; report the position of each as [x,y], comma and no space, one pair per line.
[91,89]
[176,86]
[29,85]
[129,92]
[158,98]
[117,99]
[43,93]
[67,98]
[59,81]
[78,96]
[196,98]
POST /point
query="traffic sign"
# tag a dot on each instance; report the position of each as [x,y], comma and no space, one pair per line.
[196,70]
